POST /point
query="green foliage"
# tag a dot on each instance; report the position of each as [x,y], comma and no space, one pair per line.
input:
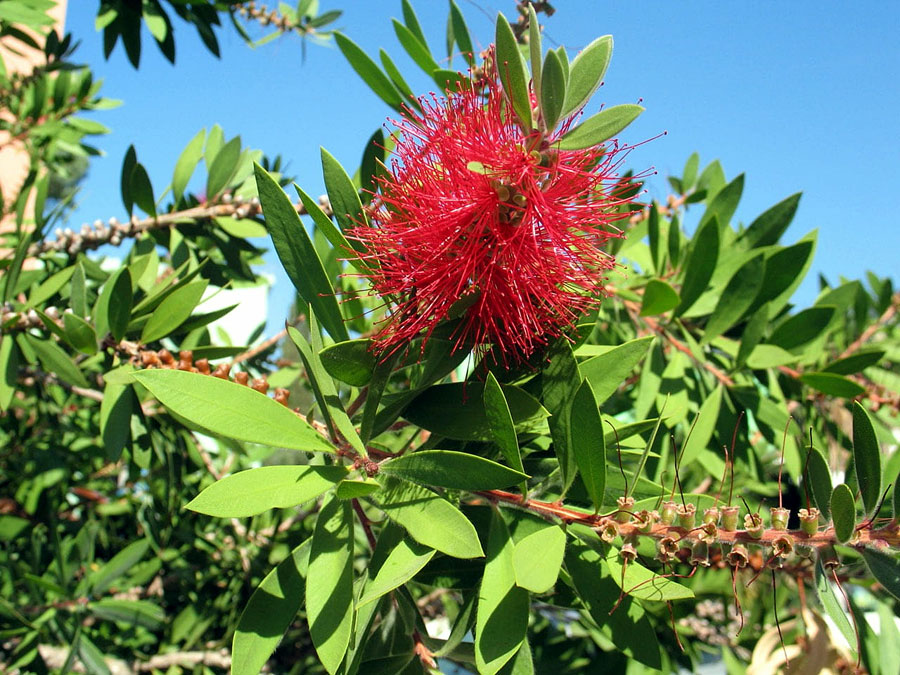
[156,503]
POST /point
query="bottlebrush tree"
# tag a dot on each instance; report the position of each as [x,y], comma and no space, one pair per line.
[520,421]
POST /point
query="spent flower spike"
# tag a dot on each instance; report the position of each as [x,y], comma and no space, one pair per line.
[485,221]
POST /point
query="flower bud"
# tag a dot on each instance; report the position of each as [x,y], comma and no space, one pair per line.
[686,515]
[809,520]
[626,504]
[779,518]
[667,515]
[730,517]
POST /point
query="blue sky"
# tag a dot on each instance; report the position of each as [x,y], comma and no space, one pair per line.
[800,96]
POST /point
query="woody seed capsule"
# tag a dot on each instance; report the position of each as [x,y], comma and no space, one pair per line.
[687,515]
[646,520]
[730,517]
[779,517]
[753,523]
[625,505]
[711,515]
[809,520]
[667,515]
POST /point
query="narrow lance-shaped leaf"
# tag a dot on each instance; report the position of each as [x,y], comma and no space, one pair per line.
[451,469]
[607,371]
[600,127]
[737,297]
[501,619]
[866,458]
[553,90]
[187,162]
[298,255]
[659,298]
[512,71]
[832,605]
[329,586]
[885,567]
[461,33]
[173,311]
[231,410]
[535,50]
[404,561]
[247,493]
[586,73]
[701,264]
[368,70]
[588,444]
[269,612]
[500,420]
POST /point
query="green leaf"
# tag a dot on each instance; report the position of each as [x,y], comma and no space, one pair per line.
[753,333]
[88,653]
[173,311]
[368,70]
[231,410]
[131,612]
[885,567]
[253,491]
[512,71]
[866,458]
[503,429]
[552,88]
[586,73]
[767,229]
[819,476]
[725,203]
[785,270]
[705,426]
[659,298]
[380,376]
[112,311]
[412,21]
[115,418]
[737,298]
[418,509]
[588,443]
[101,580]
[328,228]
[628,627]
[600,127]
[298,255]
[534,53]
[832,605]
[128,163]
[843,512]
[560,379]
[855,363]
[80,334]
[802,328]
[54,360]
[9,370]
[769,356]
[404,561]
[345,202]
[833,385]
[187,162]
[417,50]
[329,584]
[607,371]
[456,410]
[354,489]
[454,470]
[501,619]
[50,287]
[639,582]
[223,167]
[461,33]
[323,388]
[142,191]
[538,557]
[701,264]
[78,291]
[270,610]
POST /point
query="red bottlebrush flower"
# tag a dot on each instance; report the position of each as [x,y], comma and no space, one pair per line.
[481,219]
